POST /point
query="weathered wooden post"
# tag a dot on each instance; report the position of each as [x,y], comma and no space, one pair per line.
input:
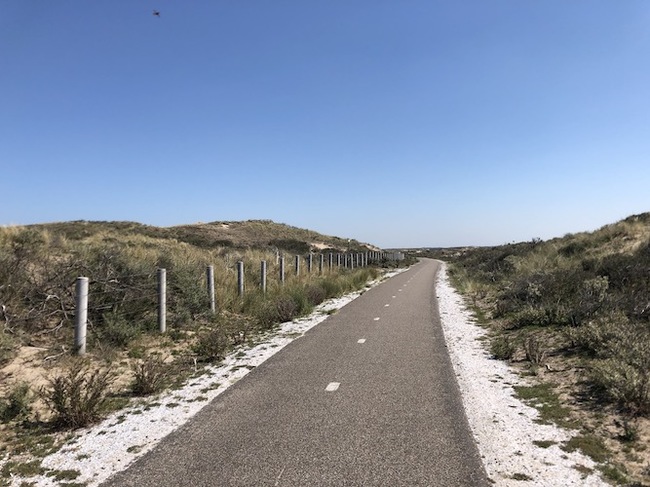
[240,278]
[321,260]
[310,262]
[263,276]
[330,260]
[80,315]
[297,265]
[210,283]
[162,300]
[338,260]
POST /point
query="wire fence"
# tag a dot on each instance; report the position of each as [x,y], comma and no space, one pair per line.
[147,298]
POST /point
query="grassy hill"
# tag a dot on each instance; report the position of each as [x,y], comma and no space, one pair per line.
[255,234]
[574,312]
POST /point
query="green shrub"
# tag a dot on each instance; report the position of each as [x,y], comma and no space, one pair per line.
[597,336]
[117,331]
[17,406]
[331,287]
[149,375]
[624,383]
[290,245]
[7,347]
[536,352]
[301,300]
[279,309]
[315,294]
[78,397]
[530,316]
[502,347]
[212,346]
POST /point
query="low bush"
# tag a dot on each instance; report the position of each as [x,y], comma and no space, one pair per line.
[150,375]
[7,347]
[117,331]
[279,309]
[315,294]
[212,346]
[536,351]
[331,287]
[17,406]
[623,375]
[598,335]
[502,347]
[77,398]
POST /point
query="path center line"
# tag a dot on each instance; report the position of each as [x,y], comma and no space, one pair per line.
[332,386]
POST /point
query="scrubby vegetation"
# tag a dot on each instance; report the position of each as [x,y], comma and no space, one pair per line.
[593,287]
[576,308]
[127,355]
[39,265]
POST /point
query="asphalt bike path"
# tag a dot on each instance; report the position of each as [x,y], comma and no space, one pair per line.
[366,398]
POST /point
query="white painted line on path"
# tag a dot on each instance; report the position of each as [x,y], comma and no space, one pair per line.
[386,305]
[332,386]
[361,340]
[377,319]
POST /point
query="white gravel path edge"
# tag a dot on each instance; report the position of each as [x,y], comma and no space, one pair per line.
[504,428]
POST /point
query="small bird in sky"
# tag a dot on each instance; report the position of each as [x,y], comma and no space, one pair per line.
[156,13]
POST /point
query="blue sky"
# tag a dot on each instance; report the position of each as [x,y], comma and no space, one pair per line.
[401,123]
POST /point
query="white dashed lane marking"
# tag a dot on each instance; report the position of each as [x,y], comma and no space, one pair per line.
[361,340]
[332,386]
[377,319]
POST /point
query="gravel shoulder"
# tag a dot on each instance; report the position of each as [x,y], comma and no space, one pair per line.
[504,428]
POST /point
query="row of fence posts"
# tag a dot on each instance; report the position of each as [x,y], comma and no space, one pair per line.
[339,260]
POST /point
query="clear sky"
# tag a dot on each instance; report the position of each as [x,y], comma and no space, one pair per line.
[400,123]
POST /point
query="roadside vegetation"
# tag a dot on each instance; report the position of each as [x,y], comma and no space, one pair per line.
[45,389]
[574,314]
